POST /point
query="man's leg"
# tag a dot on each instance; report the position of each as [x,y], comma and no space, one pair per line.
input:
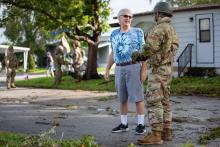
[140,129]
[121,89]
[123,127]
[124,112]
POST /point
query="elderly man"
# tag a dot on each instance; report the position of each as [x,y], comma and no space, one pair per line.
[129,76]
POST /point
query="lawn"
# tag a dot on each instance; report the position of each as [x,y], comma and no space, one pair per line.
[9,139]
[68,83]
[180,86]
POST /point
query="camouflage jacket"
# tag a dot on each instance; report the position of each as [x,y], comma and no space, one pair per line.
[78,56]
[59,60]
[162,43]
[11,60]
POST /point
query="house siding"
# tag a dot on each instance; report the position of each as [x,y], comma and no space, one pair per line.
[187,30]
[216,20]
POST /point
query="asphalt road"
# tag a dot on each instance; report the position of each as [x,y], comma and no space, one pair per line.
[78,113]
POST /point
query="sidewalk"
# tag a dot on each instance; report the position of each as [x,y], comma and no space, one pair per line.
[79,113]
[22,76]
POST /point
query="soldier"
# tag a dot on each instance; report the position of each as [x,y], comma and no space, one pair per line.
[78,58]
[161,45]
[59,60]
[11,65]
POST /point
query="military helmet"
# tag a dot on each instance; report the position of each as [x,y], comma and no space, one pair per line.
[59,49]
[163,7]
[10,48]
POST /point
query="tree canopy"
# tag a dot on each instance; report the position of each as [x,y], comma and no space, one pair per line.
[83,20]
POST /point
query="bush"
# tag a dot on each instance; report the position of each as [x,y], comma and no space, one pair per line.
[31,62]
[210,72]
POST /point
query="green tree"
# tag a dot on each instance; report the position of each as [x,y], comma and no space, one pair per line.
[22,31]
[83,20]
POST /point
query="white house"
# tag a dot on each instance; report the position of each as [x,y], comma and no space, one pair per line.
[198,27]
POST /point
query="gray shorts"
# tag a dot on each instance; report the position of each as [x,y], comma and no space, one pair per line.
[128,84]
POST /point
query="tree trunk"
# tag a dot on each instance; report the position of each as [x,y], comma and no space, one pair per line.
[91,71]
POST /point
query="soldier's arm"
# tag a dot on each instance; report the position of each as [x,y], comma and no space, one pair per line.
[152,46]
[154,40]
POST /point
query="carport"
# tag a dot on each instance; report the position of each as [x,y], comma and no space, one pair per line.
[3,49]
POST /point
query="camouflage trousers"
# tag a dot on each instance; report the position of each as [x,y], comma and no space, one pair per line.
[157,97]
[10,76]
[77,72]
[58,76]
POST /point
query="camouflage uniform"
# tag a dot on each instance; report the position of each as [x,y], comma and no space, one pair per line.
[11,65]
[162,43]
[78,61]
[59,60]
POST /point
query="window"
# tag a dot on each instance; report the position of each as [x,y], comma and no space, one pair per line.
[204,30]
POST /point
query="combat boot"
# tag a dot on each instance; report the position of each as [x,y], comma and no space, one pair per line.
[13,85]
[151,138]
[167,134]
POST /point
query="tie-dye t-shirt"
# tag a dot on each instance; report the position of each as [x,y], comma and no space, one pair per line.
[125,43]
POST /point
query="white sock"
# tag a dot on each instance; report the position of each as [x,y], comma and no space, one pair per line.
[140,118]
[124,119]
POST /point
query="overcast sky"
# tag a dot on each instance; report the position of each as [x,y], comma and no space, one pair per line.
[135,6]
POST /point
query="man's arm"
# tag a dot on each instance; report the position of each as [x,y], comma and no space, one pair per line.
[109,65]
[143,71]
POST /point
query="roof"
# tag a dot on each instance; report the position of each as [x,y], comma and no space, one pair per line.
[187,8]
[3,48]
[181,9]
[176,10]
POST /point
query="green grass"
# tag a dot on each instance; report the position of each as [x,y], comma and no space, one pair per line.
[11,139]
[180,86]
[101,70]
[68,83]
[196,86]
[36,70]
[210,135]
[8,139]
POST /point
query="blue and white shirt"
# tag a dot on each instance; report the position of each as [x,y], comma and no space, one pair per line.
[125,43]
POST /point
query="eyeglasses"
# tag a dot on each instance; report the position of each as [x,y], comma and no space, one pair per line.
[127,16]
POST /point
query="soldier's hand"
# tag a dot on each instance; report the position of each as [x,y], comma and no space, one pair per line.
[135,55]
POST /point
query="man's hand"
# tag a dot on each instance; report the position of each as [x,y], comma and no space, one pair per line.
[106,76]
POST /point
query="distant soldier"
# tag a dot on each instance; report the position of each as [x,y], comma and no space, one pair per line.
[50,64]
[11,65]
[161,45]
[78,57]
[59,61]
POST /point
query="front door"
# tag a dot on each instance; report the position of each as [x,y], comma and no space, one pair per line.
[204,35]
